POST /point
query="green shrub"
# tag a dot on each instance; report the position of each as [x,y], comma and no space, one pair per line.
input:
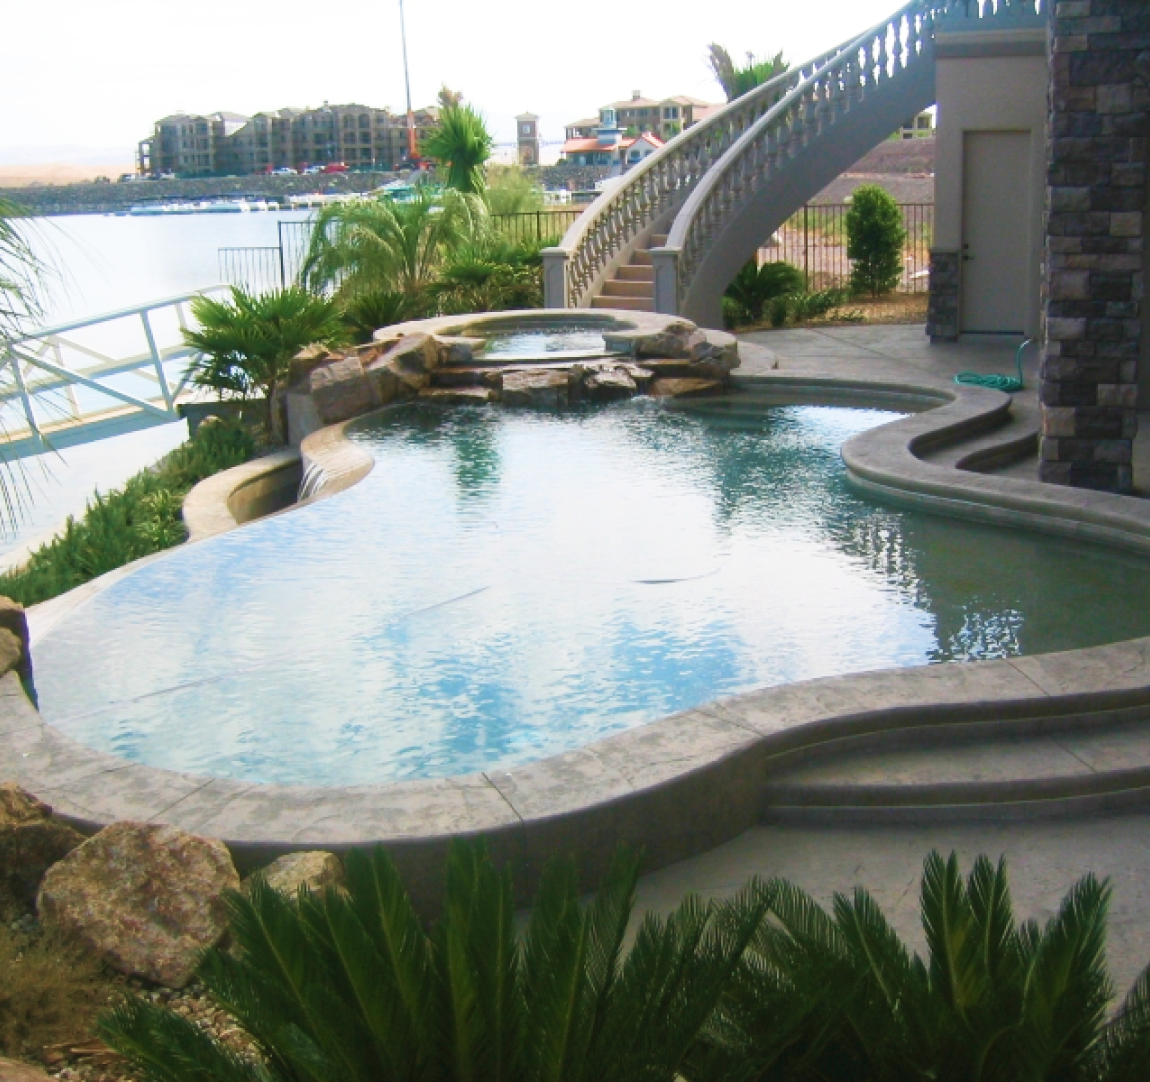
[362,314]
[141,518]
[352,988]
[754,287]
[246,343]
[875,238]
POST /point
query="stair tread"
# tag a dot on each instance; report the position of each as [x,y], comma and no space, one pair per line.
[617,288]
[630,304]
[1067,755]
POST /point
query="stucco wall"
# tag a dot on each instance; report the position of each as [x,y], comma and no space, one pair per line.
[991,93]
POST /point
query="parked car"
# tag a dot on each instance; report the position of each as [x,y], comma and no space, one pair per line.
[311,170]
[334,167]
[283,171]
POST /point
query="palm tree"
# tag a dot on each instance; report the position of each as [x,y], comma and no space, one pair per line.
[351,988]
[21,273]
[463,143]
[374,245]
[838,996]
[246,343]
[736,81]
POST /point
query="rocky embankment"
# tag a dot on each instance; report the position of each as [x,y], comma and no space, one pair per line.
[662,356]
[92,198]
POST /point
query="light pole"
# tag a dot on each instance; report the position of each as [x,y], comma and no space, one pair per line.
[412,148]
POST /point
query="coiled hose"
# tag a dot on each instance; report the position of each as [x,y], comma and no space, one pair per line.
[997,382]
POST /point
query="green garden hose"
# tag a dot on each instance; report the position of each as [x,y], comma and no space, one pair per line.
[997,382]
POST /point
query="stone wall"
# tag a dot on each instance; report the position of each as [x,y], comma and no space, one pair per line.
[1095,230]
[942,307]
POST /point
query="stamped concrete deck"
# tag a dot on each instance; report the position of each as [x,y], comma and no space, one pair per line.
[834,853]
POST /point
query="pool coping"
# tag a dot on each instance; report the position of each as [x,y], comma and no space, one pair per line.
[675,786]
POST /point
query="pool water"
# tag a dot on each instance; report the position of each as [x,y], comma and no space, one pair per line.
[557,340]
[505,586]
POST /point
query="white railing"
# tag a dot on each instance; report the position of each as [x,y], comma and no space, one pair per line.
[574,268]
[806,113]
[90,375]
[768,124]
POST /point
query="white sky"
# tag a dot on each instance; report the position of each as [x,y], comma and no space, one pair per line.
[83,74]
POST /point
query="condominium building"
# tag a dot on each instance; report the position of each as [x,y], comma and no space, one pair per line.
[665,117]
[228,143]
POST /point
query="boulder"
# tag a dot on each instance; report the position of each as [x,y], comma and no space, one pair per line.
[341,390]
[13,620]
[301,365]
[456,396]
[609,384]
[456,349]
[13,1071]
[145,897]
[413,355]
[717,350]
[313,870]
[669,342]
[679,387]
[385,380]
[545,389]
[301,417]
[31,841]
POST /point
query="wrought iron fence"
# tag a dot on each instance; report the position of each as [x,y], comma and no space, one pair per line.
[815,241]
[256,269]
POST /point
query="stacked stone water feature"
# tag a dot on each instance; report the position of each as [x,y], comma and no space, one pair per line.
[668,357]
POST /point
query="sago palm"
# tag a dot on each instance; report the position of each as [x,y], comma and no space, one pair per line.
[246,343]
[462,143]
[21,272]
[351,988]
[839,996]
[376,245]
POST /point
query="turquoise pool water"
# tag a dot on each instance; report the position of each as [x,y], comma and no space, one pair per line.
[505,586]
[557,340]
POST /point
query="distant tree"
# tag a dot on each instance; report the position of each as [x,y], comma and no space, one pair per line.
[736,81]
[449,99]
[463,144]
[512,191]
[875,239]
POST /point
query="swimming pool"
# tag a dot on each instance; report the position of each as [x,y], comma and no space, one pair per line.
[506,586]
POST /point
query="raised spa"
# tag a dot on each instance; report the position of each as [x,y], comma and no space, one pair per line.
[507,585]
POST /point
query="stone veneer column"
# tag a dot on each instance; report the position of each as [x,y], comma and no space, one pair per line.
[1095,228]
[942,306]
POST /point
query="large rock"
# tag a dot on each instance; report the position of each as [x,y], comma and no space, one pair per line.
[147,898]
[457,349]
[388,385]
[31,841]
[716,351]
[341,390]
[414,355]
[313,870]
[14,621]
[671,341]
[609,384]
[542,389]
[308,359]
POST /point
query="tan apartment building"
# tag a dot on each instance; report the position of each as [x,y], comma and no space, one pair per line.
[664,118]
[228,143]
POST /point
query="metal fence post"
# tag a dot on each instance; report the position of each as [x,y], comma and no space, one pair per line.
[806,247]
[158,361]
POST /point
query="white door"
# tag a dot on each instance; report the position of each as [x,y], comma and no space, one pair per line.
[995,231]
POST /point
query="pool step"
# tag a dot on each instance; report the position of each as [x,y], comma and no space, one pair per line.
[1006,770]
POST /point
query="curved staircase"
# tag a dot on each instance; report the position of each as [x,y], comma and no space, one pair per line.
[698,208]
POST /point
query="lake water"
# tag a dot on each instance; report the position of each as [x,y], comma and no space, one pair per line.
[103,263]
[106,262]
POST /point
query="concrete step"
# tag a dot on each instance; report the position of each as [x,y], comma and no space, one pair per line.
[635,274]
[657,240]
[627,304]
[1012,440]
[642,258]
[992,770]
[616,288]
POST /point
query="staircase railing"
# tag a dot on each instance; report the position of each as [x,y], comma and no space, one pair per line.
[801,103]
[647,191]
[808,111]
